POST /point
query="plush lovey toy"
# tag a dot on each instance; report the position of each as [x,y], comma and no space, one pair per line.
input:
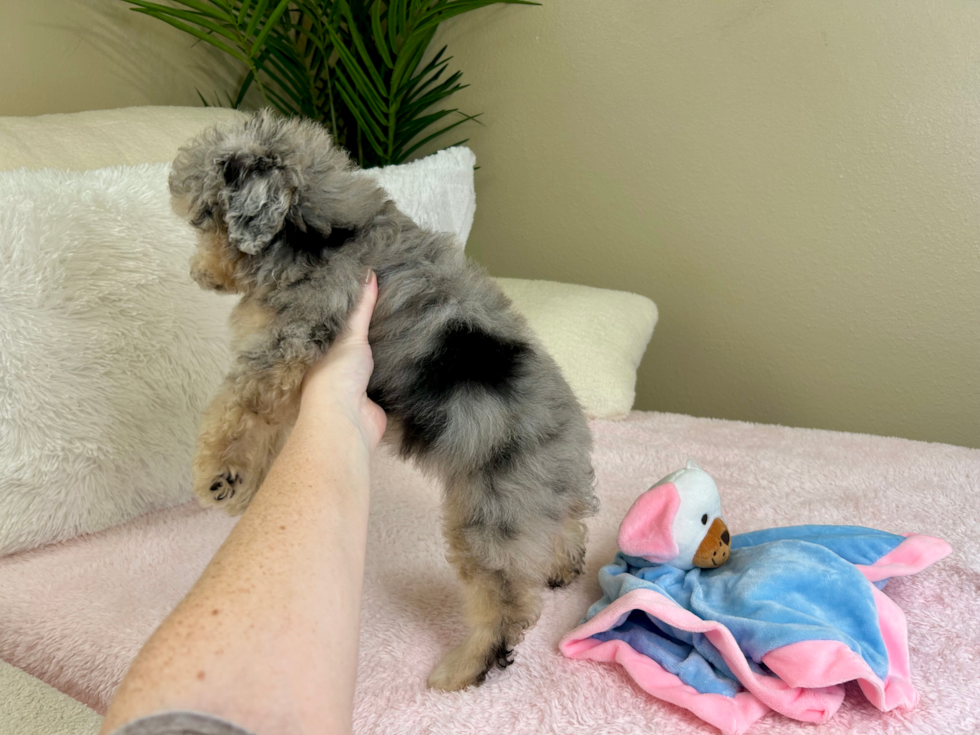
[678,522]
[733,627]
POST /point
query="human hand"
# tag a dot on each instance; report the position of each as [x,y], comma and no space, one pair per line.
[337,383]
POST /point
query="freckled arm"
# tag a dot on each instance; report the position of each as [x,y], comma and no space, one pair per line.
[268,637]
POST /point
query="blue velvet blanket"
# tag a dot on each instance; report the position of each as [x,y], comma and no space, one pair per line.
[793,614]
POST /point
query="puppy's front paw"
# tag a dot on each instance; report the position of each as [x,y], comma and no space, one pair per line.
[224,486]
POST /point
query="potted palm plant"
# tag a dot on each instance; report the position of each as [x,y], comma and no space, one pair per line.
[353,65]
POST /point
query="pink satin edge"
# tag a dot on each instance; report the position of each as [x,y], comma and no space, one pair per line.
[732,715]
[827,663]
[911,556]
[807,705]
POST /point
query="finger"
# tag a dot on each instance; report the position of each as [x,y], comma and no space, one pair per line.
[360,318]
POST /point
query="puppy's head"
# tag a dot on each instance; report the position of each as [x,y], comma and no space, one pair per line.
[241,185]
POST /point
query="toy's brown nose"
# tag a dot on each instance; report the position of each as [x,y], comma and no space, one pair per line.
[715,548]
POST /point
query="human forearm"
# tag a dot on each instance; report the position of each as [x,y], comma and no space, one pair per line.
[268,636]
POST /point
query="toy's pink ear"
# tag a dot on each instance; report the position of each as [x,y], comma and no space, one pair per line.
[646,529]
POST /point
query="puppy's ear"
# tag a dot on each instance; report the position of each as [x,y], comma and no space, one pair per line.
[257,196]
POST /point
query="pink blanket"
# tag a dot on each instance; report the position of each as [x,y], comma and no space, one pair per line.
[75,614]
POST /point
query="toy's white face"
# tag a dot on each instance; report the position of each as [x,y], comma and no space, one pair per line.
[700,507]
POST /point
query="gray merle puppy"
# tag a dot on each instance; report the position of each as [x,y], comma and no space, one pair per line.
[286,221]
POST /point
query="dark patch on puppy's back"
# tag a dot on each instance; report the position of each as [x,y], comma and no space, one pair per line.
[467,355]
[463,355]
[421,429]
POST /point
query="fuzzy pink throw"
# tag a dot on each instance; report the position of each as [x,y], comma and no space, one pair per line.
[76,613]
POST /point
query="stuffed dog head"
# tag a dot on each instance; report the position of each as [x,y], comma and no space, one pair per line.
[678,522]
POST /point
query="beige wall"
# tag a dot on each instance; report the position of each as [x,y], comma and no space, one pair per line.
[71,55]
[796,184]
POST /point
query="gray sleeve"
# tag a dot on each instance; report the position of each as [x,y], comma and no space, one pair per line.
[181,723]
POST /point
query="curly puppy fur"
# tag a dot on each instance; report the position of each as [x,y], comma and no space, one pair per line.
[286,221]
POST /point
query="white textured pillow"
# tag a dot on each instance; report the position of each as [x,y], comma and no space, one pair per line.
[108,351]
[596,336]
[435,191]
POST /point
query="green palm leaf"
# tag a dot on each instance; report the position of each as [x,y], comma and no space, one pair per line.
[354,65]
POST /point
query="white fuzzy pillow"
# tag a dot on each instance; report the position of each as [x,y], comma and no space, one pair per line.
[108,351]
[436,191]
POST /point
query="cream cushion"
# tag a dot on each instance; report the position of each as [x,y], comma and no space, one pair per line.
[28,706]
[81,141]
[597,336]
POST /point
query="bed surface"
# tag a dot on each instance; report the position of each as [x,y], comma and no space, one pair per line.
[74,614]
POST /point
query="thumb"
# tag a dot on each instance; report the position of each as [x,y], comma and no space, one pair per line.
[360,318]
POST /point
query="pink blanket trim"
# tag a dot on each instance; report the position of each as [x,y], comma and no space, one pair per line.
[807,705]
[732,715]
[909,557]
[826,663]
[810,693]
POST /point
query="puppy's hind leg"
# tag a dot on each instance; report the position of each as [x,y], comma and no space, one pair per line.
[501,595]
[568,561]
[498,611]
